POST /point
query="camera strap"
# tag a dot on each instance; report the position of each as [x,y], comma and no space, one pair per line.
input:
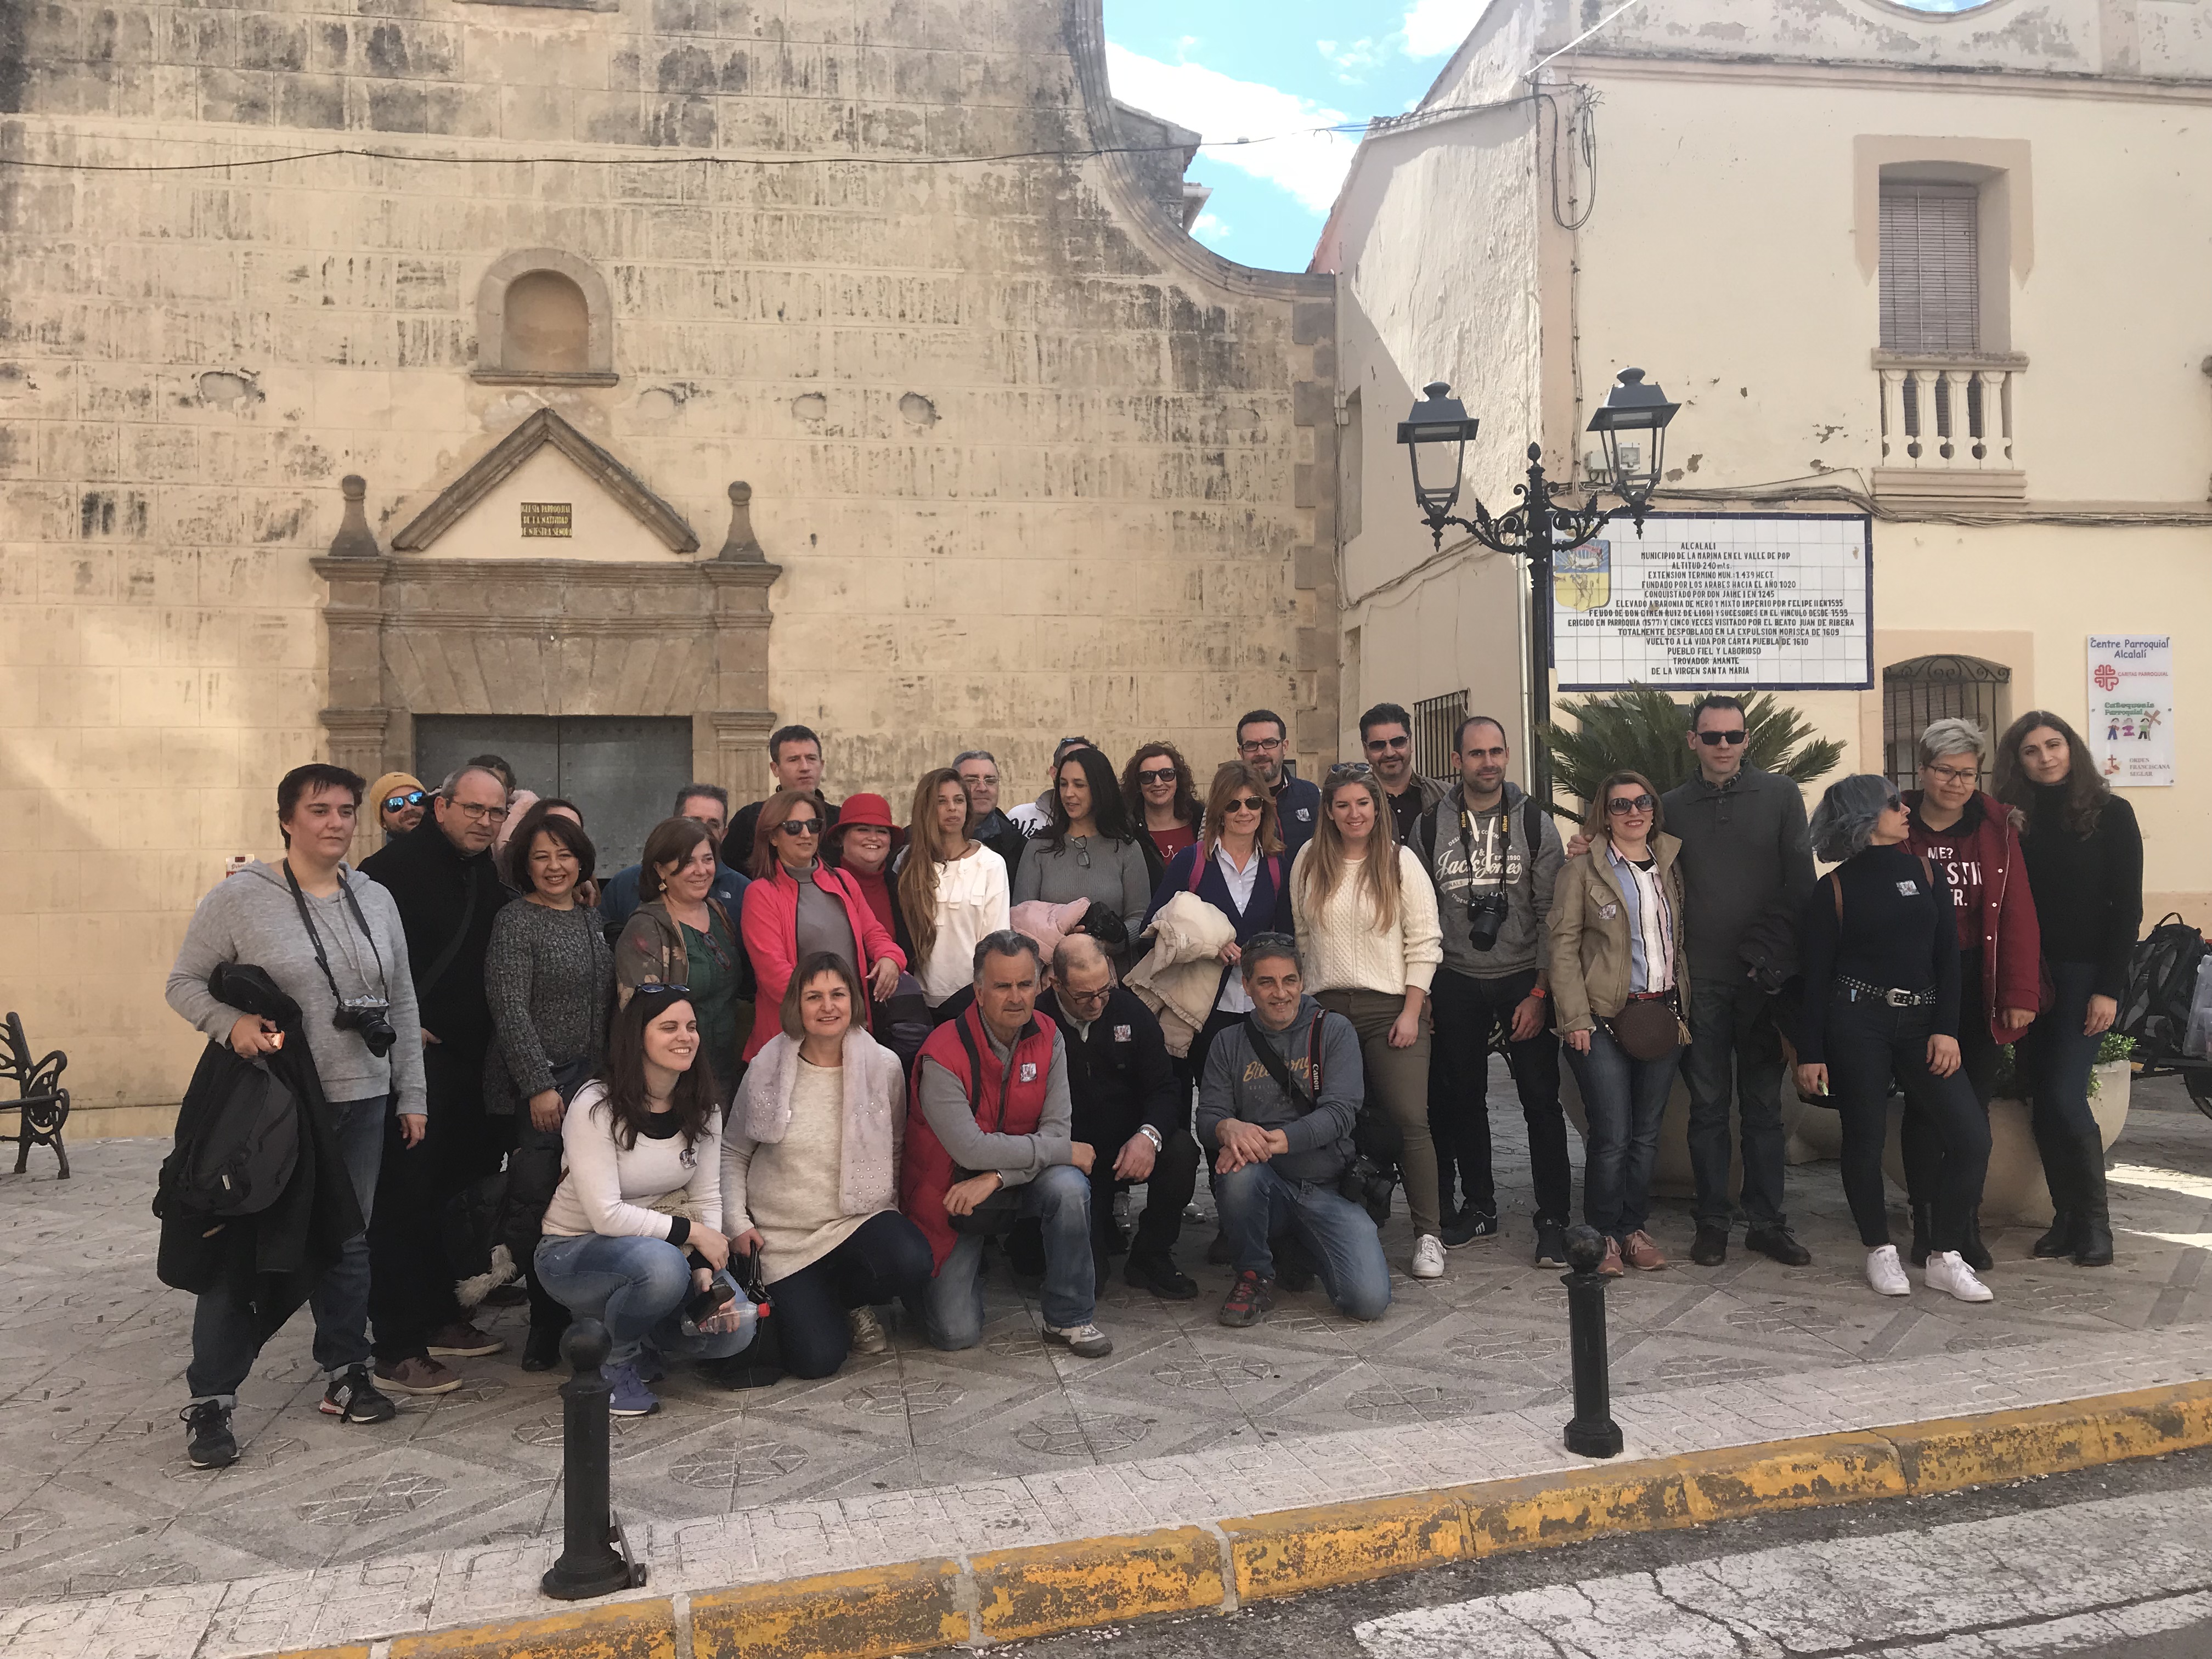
[315,938]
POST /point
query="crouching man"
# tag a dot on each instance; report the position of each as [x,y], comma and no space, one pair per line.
[1276,1109]
[987,1144]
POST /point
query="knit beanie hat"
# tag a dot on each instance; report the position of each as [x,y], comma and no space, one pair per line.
[390,784]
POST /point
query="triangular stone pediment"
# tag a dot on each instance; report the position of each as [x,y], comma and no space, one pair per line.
[547,491]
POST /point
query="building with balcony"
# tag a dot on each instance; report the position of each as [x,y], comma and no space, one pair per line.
[1947,270]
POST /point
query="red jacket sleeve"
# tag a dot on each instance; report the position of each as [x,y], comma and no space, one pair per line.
[2019,935]
[771,941]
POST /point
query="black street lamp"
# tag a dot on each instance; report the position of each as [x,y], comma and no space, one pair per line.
[1632,424]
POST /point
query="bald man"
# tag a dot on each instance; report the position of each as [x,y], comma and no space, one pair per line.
[1121,1084]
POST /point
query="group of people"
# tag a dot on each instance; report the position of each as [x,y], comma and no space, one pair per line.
[804,1062]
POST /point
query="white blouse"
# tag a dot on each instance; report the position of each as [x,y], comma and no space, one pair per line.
[971,902]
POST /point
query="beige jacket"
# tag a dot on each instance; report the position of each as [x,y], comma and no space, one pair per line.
[1589,923]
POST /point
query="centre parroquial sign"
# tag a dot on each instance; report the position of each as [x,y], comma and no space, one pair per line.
[1739,599]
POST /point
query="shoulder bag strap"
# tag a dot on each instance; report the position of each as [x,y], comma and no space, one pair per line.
[1836,887]
[1272,1064]
[427,981]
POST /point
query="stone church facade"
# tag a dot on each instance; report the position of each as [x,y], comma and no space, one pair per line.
[634,375]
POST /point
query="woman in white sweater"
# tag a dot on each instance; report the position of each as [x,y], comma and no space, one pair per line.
[1369,944]
[952,889]
[632,1238]
[810,1174]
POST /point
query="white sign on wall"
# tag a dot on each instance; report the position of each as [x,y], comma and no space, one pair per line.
[2131,707]
[1738,599]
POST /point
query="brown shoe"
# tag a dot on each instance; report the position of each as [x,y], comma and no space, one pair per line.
[1642,1254]
[462,1340]
[1611,1266]
[417,1377]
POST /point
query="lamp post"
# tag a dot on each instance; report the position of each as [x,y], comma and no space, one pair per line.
[1632,424]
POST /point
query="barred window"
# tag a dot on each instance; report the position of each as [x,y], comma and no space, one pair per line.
[1436,729]
[1916,694]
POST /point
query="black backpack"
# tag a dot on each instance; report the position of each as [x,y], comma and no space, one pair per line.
[2161,985]
[239,1154]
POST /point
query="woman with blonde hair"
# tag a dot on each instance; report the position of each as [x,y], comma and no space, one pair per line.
[951,888]
[1621,979]
[1369,942]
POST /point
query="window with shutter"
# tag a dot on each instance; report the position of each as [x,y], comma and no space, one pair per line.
[1930,270]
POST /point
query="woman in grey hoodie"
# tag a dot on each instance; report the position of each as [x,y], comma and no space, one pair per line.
[327,936]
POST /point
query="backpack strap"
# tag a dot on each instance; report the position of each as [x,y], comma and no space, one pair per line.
[1197,865]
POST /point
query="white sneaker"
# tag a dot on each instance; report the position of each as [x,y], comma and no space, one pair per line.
[1948,1271]
[867,1330]
[1886,1273]
[1428,1257]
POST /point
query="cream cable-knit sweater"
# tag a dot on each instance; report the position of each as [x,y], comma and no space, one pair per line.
[1339,946]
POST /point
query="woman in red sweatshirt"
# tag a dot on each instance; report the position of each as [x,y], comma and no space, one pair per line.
[1968,836]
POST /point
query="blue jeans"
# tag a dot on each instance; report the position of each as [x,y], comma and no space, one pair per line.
[2054,1060]
[1623,1100]
[1256,1204]
[226,1337]
[1734,1041]
[636,1287]
[951,1305]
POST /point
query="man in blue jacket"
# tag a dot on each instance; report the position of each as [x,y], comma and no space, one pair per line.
[1262,743]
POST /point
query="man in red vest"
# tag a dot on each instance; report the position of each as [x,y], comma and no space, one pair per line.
[987,1144]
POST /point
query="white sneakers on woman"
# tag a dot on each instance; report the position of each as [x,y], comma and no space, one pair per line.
[1428,1257]
[1949,1272]
[1886,1273]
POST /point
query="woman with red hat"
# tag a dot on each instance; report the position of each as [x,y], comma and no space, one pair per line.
[860,843]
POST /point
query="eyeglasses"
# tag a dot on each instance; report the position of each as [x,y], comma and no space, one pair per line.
[1069,993]
[412,797]
[1949,774]
[1379,745]
[1164,774]
[1244,804]
[1622,805]
[795,828]
[1714,740]
[1259,745]
[471,810]
[1352,770]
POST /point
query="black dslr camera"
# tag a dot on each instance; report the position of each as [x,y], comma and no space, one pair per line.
[371,1017]
[1486,916]
[1377,1146]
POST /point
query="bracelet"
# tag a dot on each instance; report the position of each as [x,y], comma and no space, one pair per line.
[1538,991]
[1152,1135]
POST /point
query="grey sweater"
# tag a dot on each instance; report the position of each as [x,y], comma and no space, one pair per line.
[251,918]
[1493,848]
[1016,1158]
[1117,877]
[1237,1085]
[1747,865]
[549,976]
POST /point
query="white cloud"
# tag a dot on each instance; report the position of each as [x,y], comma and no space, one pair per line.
[1309,165]
[1434,27]
[1352,59]
[1210,225]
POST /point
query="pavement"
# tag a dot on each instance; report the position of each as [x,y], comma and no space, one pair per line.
[110,1544]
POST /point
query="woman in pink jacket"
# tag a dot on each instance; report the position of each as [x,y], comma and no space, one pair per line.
[798,905]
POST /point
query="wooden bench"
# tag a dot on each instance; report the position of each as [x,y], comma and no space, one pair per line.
[44,1103]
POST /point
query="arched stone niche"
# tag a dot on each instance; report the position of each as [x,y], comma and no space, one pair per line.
[544,318]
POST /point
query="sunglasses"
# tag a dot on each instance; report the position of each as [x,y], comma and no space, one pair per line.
[1895,803]
[1621,805]
[1244,804]
[1352,770]
[1165,774]
[1378,744]
[796,828]
[1714,740]
[654,991]
[1073,742]
[412,797]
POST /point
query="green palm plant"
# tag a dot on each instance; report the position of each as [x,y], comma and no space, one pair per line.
[1642,730]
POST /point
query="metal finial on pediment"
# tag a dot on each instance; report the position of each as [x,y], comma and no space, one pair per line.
[355,539]
[741,544]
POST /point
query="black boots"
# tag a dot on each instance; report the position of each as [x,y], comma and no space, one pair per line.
[2059,1240]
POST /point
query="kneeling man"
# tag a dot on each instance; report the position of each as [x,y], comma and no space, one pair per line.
[988,1144]
[1276,1109]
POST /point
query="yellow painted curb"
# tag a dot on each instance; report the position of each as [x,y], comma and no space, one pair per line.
[1037,1590]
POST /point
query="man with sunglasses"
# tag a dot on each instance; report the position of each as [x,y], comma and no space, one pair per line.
[1386,737]
[1297,800]
[1747,864]
[442,878]
[400,801]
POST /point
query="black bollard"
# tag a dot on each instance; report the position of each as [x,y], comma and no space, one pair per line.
[1593,1433]
[594,1556]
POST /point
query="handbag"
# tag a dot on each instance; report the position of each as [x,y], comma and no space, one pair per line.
[1646,1028]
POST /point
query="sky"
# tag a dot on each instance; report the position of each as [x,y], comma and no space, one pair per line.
[1277,70]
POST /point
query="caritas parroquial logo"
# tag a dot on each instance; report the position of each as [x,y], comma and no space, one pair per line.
[2106,677]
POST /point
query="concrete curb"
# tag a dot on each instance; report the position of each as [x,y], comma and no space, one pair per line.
[1040,1589]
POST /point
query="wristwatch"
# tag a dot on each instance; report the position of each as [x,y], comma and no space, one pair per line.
[1152,1135]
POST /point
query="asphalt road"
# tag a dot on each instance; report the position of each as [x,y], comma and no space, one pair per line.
[2108,1564]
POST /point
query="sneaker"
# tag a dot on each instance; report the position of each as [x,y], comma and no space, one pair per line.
[627,1394]
[1248,1300]
[1609,1264]
[1948,1271]
[868,1335]
[462,1340]
[1467,1226]
[1160,1275]
[1641,1253]
[352,1397]
[1084,1341]
[1710,1248]
[1551,1244]
[1885,1273]
[418,1374]
[1428,1257]
[1778,1243]
[210,1445]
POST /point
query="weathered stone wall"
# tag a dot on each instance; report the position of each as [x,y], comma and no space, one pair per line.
[1030,461]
